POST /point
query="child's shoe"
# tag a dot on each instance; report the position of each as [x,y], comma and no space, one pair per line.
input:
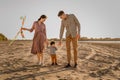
[56,64]
[52,64]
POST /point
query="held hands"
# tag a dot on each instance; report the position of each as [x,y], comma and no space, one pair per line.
[60,43]
[47,43]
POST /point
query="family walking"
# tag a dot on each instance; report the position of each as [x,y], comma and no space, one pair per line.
[68,22]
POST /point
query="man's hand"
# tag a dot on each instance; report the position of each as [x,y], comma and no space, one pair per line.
[78,36]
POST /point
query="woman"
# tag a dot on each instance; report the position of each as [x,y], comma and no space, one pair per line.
[40,38]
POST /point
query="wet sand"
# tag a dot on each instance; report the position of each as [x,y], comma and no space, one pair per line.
[96,61]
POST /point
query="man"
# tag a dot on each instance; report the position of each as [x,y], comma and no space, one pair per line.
[72,25]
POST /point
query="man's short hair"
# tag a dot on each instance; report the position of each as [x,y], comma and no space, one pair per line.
[60,13]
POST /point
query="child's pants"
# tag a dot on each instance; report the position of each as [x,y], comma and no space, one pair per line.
[53,58]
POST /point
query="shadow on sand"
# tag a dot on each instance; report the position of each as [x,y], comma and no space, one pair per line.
[33,75]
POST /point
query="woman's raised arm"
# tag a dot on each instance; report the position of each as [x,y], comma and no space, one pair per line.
[31,30]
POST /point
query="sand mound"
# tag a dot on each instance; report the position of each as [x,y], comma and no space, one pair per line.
[2,37]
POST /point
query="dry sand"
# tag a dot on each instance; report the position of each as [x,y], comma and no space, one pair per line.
[96,61]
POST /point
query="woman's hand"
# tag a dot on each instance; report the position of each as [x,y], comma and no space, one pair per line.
[47,43]
[23,28]
[26,29]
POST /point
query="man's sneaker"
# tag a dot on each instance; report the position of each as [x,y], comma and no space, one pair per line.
[67,66]
[75,65]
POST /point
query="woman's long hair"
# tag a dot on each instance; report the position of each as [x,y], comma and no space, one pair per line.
[42,17]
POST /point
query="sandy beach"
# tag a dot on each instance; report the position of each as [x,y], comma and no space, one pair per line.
[96,61]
